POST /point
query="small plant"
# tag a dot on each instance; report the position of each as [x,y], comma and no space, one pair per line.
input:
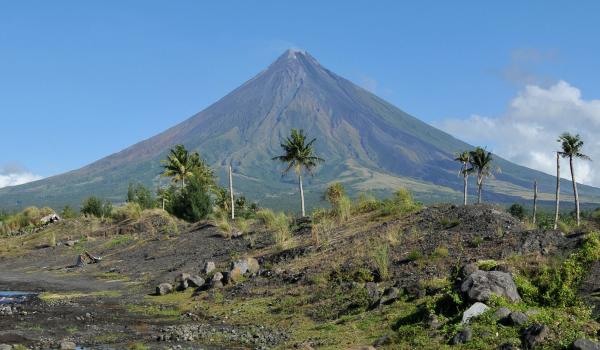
[96,207]
[381,258]
[52,241]
[441,252]
[281,227]
[414,255]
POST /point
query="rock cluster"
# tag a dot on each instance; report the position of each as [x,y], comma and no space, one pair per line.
[239,269]
[481,285]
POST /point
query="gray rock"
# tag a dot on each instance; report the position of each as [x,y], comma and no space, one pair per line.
[217,277]
[71,243]
[196,281]
[534,335]
[502,313]
[164,288]
[475,310]
[247,266]
[463,336]
[433,322]
[517,318]
[372,292]
[468,269]
[209,267]
[381,341]
[5,347]
[481,285]
[585,344]
[508,346]
[389,296]
[67,345]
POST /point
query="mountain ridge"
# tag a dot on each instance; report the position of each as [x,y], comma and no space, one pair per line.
[357,133]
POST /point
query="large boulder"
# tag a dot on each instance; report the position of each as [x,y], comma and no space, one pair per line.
[516,318]
[196,281]
[534,335]
[164,288]
[463,336]
[481,285]
[475,310]
[585,344]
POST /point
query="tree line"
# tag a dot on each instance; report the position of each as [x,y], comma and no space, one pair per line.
[479,162]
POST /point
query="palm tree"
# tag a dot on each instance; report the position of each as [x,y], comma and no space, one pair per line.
[299,156]
[571,148]
[180,164]
[464,158]
[481,163]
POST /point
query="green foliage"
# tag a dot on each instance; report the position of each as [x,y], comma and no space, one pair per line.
[27,219]
[366,203]
[278,223]
[557,285]
[193,203]
[129,211]
[343,209]
[441,252]
[181,165]
[96,207]
[517,210]
[400,203]
[137,193]
[298,154]
[414,255]
[68,213]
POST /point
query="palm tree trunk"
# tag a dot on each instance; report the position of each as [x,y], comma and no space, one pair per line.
[479,185]
[574,189]
[301,193]
[231,193]
[182,183]
[465,177]
[557,190]
[535,193]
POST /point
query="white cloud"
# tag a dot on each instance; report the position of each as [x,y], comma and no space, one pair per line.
[13,174]
[526,133]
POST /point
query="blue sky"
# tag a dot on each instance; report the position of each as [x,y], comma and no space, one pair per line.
[80,80]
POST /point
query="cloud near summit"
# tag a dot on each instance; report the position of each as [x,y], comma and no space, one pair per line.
[527,132]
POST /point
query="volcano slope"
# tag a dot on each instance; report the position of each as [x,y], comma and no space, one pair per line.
[388,277]
[368,144]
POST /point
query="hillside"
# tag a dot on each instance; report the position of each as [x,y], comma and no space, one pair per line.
[393,275]
[368,144]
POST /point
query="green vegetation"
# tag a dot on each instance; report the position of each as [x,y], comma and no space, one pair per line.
[130,211]
[27,219]
[481,164]
[193,203]
[518,211]
[141,196]
[572,148]
[96,207]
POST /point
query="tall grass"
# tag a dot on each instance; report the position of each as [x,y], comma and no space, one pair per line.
[129,211]
[279,223]
[381,259]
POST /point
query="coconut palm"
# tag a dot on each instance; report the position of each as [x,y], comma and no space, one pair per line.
[464,158]
[300,156]
[571,148]
[480,162]
[181,164]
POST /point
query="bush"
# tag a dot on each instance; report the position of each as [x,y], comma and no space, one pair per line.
[400,203]
[517,210]
[343,208]
[193,203]
[334,193]
[366,203]
[96,207]
[130,211]
[68,212]
[141,195]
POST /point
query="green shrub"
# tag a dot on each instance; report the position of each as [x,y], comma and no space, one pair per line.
[334,193]
[96,207]
[193,203]
[281,227]
[558,285]
[400,203]
[137,193]
[68,213]
[441,252]
[129,211]
[366,203]
[266,216]
[517,210]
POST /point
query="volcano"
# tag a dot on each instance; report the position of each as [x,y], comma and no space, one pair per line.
[368,144]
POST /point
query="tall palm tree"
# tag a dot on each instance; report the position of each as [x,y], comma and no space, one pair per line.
[299,155]
[481,163]
[571,148]
[180,164]
[464,158]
